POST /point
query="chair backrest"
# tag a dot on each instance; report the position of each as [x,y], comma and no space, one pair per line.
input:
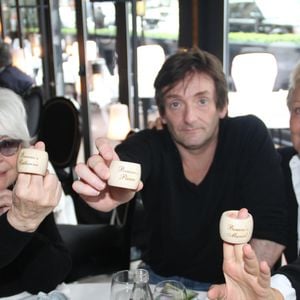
[33,102]
[150,59]
[60,130]
[254,72]
[99,248]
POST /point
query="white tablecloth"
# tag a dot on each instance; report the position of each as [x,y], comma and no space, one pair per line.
[85,291]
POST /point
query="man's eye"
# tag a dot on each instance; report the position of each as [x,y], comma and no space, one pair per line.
[174,104]
[203,101]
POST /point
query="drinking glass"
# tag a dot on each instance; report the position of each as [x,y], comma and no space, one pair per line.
[121,285]
[169,290]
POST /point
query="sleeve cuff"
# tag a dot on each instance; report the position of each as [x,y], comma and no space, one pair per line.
[281,283]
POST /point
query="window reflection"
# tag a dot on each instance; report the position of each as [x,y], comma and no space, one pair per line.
[266,26]
[263,26]
[157,23]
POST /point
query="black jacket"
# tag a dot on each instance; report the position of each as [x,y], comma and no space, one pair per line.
[290,252]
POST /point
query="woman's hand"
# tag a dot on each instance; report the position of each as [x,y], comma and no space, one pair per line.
[92,184]
[34,197]
[157,124]
[5,201]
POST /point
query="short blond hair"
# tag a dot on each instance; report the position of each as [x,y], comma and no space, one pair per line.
[293,83]
[13,117]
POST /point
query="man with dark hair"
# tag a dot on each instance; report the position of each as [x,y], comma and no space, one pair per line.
[199,165]
[10,76]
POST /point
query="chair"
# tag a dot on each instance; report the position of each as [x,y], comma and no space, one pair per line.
[146,73]
[100,248]
[254,72]
[33,102]
[97,245]
[60,129]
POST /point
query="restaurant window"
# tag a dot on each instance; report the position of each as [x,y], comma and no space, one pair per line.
[46,33]
[20,29]
[157,23]
[263,48]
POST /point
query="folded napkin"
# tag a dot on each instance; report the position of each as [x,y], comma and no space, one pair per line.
[54,295]
[170,289]
[61,293]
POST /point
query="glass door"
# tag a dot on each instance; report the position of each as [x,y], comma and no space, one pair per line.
[263,48]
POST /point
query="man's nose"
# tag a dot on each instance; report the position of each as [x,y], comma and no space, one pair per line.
[190,114]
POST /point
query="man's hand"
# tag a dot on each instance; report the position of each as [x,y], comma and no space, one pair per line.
[92,184]
[245,277]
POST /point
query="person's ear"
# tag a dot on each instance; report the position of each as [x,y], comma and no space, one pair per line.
[223,112]
[162,118]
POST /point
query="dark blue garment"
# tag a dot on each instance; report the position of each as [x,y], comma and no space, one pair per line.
[16,80]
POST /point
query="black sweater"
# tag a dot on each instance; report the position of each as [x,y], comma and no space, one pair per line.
[31,262]
[183,218]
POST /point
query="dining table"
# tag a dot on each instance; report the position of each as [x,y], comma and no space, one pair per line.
[82,291]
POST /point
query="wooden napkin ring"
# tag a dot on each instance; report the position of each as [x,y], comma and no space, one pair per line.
[124,174]
[32,161]
[234,230]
